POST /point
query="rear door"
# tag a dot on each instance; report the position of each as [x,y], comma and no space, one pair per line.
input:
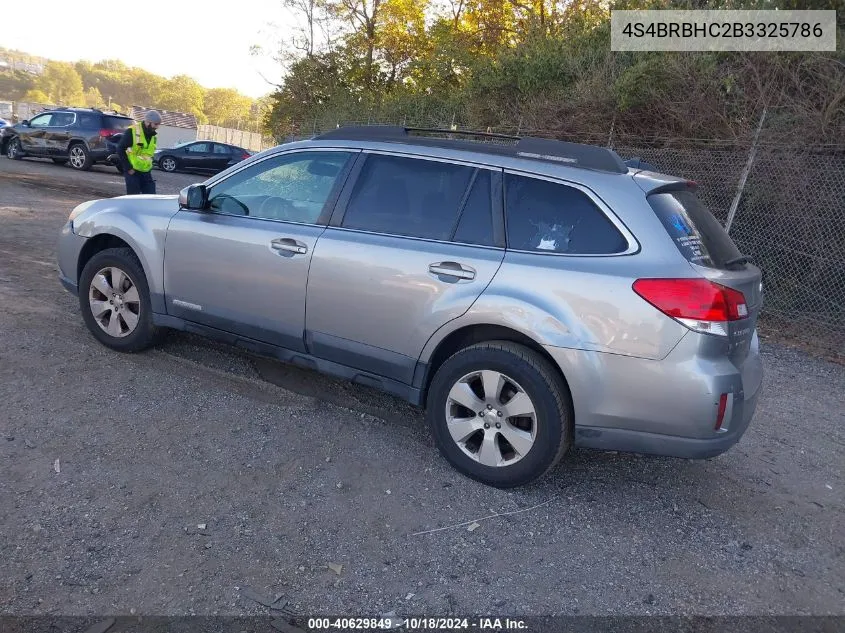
[59,133]
[410,247]
[221,156]
[197,155]
[711,252]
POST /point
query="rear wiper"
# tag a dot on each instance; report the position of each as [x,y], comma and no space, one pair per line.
[742,259]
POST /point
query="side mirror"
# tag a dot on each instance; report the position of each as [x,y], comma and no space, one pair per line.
[25,122]
[194,197]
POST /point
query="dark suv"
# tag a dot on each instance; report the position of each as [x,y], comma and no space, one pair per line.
[78,136]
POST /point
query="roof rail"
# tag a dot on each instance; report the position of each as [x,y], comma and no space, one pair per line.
[547,150]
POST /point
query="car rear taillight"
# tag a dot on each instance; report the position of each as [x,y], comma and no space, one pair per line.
[246,155]
[108,133]
[700,304]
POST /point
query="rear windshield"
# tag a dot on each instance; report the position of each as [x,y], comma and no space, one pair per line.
[116,122]
[697,234]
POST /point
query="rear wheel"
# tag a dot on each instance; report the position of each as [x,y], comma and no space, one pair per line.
[168,163]
[115,301]
[500,413]
[79,157]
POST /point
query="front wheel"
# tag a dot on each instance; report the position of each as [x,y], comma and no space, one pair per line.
[500,413]
[115,301]
[13,150]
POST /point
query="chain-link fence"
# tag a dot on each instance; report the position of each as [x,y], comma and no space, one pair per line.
[789,217]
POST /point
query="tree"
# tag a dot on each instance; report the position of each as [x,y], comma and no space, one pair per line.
[362,16]
[183,94]
[225,106]
[62,83]
[93,98]
[36,96]
[400,36]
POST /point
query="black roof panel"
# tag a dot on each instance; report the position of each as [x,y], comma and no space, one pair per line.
[547,150]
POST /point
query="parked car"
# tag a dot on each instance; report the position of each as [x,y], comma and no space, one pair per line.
[3,123]
[531,296]
[76,136]
[199,155]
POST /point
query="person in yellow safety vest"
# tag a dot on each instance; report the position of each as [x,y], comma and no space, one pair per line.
[135,152]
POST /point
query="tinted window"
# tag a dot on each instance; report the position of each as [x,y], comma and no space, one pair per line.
[89,121]
[550,217]
[42,120]
[291,188]
[407,196]
[476,223]
[197,148]
[62,119]
[116,122]
[222,149]
[696,233]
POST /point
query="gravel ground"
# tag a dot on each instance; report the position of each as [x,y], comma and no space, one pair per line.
[187,479]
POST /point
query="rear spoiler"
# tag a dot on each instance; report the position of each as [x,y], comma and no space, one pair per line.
[639,163]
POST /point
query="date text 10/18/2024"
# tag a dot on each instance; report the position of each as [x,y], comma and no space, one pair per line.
[418,624]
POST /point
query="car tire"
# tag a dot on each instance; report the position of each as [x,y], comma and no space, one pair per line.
[14,150]
[168,164]
[79,157]
[60,161]
[468,439]
[129,328]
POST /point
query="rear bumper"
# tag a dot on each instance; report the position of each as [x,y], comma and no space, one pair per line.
[630,441]
[665,407]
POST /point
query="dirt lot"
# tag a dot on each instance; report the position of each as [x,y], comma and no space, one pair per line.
[289,472]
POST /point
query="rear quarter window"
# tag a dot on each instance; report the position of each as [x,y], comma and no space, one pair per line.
[116,122]
[550,217]
[695,231]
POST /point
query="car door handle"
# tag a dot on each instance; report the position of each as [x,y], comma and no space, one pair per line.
[452,269]
[288,245]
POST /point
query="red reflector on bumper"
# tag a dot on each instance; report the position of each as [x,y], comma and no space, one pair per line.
[720,416]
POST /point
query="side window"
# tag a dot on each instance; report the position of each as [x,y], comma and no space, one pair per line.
[407,196]
[89,121]
[62,119]
[197,148]
[221,149]
[42,120]
[476,223]
[551,217]
[292,188]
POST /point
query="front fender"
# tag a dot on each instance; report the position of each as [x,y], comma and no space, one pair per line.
[141,222]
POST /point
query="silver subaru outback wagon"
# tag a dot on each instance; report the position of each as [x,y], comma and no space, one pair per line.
[532,295]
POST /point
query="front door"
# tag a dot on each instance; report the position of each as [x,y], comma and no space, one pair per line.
[411,247]
[33,138]
[242,264]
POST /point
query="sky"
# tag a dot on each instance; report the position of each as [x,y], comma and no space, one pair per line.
[209,42]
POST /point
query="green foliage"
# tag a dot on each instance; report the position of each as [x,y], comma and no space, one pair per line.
[183,94]
[546,66]
[62,84]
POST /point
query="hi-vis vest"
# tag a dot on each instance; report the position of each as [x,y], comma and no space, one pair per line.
[140,154]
